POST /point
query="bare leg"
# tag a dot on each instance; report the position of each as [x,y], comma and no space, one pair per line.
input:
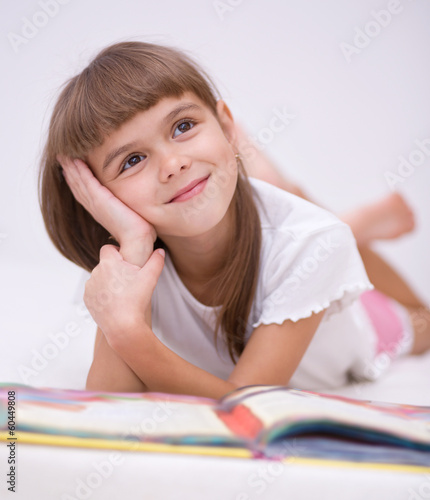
[420,319]
[260,166]
[385,219]
[387,280]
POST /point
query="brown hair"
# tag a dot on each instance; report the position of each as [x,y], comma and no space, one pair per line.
[122,80]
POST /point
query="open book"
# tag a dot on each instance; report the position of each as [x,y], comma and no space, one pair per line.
[253,422]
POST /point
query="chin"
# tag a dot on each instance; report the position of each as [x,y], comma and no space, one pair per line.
[192,229]
[194,221]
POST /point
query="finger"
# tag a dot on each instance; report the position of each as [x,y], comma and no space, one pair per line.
[110,252]
[89,184]
[135,235]
[79,174]
[85,173]
[151,271]
[64,161]
[65,165]
[68,166]
[73,179]
[87,189]
[99,196]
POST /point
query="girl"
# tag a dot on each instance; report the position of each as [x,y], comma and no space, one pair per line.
[245,279]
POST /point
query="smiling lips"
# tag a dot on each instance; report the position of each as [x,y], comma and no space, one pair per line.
[193,188]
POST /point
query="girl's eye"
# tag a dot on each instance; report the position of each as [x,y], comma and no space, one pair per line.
[132,161]
[183,127]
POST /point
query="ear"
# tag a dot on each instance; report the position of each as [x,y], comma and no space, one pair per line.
[226,121]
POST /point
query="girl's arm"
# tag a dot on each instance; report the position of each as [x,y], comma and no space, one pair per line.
[270,357]
[128,355]
[108,371]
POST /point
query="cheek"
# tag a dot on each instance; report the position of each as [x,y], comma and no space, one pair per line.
[214,144]
[134,195]
[227,169]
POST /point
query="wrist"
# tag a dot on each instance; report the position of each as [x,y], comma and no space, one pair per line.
[136,250]
[126,336]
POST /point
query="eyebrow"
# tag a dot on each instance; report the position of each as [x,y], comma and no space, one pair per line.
[180,109]
[116,152]
[168,118]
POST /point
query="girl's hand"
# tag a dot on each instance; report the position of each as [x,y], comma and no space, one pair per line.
[134,234]
[118,293]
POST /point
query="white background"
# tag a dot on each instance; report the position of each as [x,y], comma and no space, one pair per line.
[353,118]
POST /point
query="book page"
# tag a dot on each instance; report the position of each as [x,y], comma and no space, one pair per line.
[288,408]
[143,417]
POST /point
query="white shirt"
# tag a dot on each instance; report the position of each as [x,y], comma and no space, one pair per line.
[309,262]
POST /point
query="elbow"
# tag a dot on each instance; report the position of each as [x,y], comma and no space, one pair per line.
[92,382]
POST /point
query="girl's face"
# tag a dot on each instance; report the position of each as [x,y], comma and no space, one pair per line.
[173,164]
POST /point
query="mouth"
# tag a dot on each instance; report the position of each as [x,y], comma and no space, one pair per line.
[192,189]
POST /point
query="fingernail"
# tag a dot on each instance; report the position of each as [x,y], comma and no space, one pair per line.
[161,252]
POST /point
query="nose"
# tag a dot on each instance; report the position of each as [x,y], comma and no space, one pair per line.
[172,163]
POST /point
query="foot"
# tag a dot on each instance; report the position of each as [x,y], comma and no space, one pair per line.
[385,219]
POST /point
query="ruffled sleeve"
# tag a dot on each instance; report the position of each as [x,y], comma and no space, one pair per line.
[307,271]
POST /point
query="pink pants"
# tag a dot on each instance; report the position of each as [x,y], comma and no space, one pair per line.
[390,321]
